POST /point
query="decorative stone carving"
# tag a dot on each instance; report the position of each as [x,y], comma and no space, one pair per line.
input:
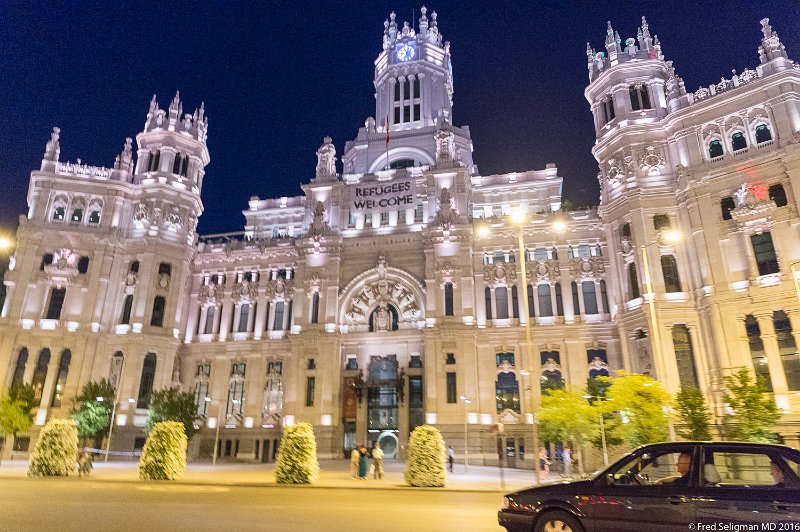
[598,365]
[445,143]
[444,271]
[543,270]
[63,268]
[172,221]
[318,224]
[376,296]
[446,215]
[141,217]
[209,293]
[326,160]
[652,162]
[500,273]
[626,246]
[551,365]
[586,267]
[53,148]
[279,288]
[245,291]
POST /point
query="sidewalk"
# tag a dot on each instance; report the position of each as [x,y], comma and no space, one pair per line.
[333,474]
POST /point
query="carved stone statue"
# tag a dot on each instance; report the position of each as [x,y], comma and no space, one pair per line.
[326,160]
[318,224]
[53,148]
[445,143]
[446,215]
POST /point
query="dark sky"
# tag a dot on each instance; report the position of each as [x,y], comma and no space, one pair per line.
[277,77]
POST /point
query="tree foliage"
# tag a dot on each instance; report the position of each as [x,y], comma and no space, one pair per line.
[694,413]
[16,411]
[297,456]
[93,417]
[425,460]
[641,401]
[566,415]
[170,404]
[753,416]
[55,451]
[164,453]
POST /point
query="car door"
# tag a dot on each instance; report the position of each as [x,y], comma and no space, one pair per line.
[749,484]
[645,492]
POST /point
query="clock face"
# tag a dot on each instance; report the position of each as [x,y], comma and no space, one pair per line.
[406,53]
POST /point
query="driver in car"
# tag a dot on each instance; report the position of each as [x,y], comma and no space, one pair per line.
[684,463]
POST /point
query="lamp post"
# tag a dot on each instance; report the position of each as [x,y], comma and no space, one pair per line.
[795,270]
[216,436]
[113,409]
[600,400]
[466,401]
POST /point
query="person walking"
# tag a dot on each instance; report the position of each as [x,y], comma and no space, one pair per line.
[377,461]
[544,463]
[451,457]
[363,462]
[566,455]
[354,456]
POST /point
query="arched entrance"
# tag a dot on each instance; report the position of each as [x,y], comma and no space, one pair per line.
[389,443]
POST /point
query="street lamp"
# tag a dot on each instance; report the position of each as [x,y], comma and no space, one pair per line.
[600,399]
[113,409]
[216,436]
[466,452]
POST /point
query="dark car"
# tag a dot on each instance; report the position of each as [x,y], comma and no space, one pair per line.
[670,486]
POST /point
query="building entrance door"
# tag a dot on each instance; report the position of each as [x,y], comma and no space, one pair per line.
[382,401]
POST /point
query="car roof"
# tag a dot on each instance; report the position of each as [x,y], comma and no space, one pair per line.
[720,444]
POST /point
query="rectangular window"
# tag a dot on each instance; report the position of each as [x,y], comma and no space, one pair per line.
[559,300]
[450,358]
[764,250]
[310,385]
[684,356]
[200,394]
[353,218]
[47,260]
[157,318]
[448,299]
[164,268]
[416,112]
[545,302]
[514,302]
[669,267]
[415,391]
[418,213]
[56,302]
[278,324]
[501,298]
[209,325]
[146,382]
[384,218]
[488,302]
[787,349]
[315,308]
[589,297]
[661,221]
[397,115]
[576,303]
[396,90]
[244,314]
[451,387]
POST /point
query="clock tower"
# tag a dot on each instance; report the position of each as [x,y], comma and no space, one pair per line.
[413,98]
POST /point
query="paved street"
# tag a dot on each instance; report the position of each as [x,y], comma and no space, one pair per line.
[93,505]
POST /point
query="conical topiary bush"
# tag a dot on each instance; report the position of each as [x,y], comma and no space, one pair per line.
[164,453]
[297,456]
[425,460]
[56,450]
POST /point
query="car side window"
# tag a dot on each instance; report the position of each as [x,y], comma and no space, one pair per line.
[745,469]
[660,467]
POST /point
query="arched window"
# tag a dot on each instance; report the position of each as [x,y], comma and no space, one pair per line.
[126,310]
[146,382]
[633,281]
[487,296]
[448,299]
[40,374]
[669,267]
[59,213]
[757,352]
[514,302]
[787,349]
[551,371]
[598,363]
[604,297]
[501,300]
[545,301]
[208,327]
[559,300]
[94,217]
[61,378]
[244,315]
[315,307]
[589,297]
[77,215]
[57,296]
[715,149]
[738,141]
[19,369]
[507,392]
[640,98]
[235,403]
[576,303]
[727,205]
[531,308]
[684,356]
[763,134]
[778,195]
[153,162]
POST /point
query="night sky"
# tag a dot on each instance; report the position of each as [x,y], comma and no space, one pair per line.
[277,77]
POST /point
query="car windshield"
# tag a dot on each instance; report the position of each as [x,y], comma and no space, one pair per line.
[653,466]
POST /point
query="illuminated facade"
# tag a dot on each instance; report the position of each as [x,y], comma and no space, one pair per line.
[373,304]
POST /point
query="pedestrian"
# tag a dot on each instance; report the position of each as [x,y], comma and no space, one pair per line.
[354,456]
[377,461]
[363,462]
[544,463]
[566,455]
[451,457]
[85,464]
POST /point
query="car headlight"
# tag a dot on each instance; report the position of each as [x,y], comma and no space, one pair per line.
[506,503]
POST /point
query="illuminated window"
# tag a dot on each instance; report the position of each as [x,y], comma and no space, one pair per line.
[146,381]
[61,378]
[764,250]
[669,267]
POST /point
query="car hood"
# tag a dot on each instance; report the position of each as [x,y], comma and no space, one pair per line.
[566,487]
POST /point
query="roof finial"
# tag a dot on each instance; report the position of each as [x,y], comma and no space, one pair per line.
[771,46]
[423,22]
[53,148]
[609,33]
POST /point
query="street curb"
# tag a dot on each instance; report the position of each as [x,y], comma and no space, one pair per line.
[260,485]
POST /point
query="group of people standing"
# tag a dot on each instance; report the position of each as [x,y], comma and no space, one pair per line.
[360,458]
[544,462]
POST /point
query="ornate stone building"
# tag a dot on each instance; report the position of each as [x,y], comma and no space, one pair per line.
[411,289]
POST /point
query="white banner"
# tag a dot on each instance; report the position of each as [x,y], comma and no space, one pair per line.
[382,197]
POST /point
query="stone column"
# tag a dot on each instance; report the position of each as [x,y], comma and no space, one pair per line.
[225,318]
[260,316]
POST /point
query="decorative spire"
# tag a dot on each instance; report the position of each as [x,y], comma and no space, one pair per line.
[589,52]
[53,148]
[423,22]
[609,34]
[392,27]
[647,41]
[657,48]
[386,43]
[771,46]
[124,160]
[153,104]
[176,103]
[612,43]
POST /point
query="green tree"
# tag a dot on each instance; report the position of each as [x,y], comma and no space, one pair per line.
[297,456]
[91,414]
[641,402]
[170,404]
[753,415]
[694,413]
[566,415]
[164,453]
[15,412]
[596,390]
[54,454]
[425,459]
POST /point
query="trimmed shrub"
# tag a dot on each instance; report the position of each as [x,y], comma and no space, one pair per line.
[164,453]
[297,456]
[56,450]
[426,456]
